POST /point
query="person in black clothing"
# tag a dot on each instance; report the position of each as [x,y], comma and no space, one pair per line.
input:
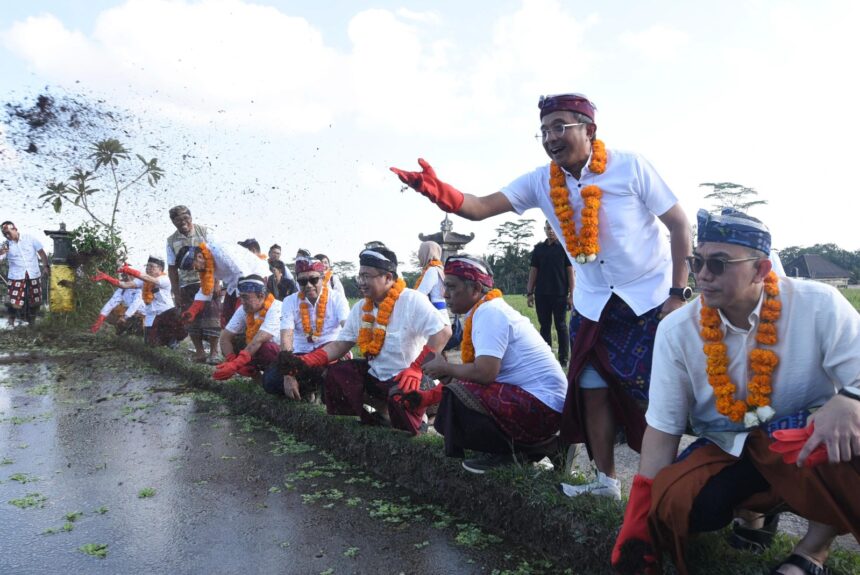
[280,284]
[550,290]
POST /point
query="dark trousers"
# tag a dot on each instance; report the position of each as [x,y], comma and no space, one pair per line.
[552,309]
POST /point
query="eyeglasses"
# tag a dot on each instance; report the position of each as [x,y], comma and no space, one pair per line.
[715,265]
[364,278]
[312,280]
[557,130]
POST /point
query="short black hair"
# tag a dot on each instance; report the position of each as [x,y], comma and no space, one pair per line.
[7,223]
[273,246]
[178,211]
[321,257]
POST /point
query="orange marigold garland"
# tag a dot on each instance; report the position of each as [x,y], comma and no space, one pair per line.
[430,264]
[371,335]
[756,409]
[207,276]
[147,293]
[314,333]
[467,348]
[253,323]
[585,246]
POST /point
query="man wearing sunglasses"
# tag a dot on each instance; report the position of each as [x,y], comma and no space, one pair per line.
[628,275]
[766,371]
[397,329]
[25,287]
[310,319]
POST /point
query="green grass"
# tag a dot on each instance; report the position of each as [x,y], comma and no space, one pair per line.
[146,492]
[853,296]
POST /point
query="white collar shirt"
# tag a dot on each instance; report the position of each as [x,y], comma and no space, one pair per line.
[336,312]
[635,261]
[161,302]
[818,338]
[231,263]
[23,257]
[412,322]
[271,321]
[130,298]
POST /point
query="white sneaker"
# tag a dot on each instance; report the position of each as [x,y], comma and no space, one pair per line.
[604,486]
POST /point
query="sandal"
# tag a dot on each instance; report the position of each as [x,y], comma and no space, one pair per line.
[809,567]
[752,539]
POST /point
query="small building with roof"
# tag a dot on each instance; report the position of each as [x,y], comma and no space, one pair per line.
[818,268]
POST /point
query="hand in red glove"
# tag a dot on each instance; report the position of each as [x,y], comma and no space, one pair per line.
[126,269]
[195,308]
[634,551]
[230,367]
[421,399]
[316,358]
[98,323]
[103,277]
[789,442]
[425,182]
[409,379]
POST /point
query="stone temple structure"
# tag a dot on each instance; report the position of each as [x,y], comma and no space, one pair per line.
[451,242]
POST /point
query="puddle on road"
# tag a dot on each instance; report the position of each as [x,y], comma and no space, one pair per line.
[108,466]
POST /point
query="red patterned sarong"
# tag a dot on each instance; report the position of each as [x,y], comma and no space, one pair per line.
[167,329]
[25,291]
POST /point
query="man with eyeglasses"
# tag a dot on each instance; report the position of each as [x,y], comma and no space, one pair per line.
[397,329]
[309,319]
[258,319]
[24,252]
[766,371]
[185,283]
[606,207]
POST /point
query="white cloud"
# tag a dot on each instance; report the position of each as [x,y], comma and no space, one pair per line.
[427,17]
[658,43]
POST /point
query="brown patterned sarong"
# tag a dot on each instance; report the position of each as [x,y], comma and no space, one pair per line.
[167,329]
[25,291]
[825,493]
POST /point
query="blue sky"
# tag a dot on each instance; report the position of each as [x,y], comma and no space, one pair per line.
[294,110]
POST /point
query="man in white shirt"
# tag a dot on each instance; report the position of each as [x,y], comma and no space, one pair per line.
[628,275]
[123,310]
[216,262]
[766,371]
[396,329]
[309,319]
[25,287]
[506,397]
[162,323]
[259,320]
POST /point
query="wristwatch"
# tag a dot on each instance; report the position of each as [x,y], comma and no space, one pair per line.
[852,392]
[685,293]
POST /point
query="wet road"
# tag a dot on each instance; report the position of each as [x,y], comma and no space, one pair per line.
[99,456]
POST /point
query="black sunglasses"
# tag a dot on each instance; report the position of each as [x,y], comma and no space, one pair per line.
[313,281]
[715,265]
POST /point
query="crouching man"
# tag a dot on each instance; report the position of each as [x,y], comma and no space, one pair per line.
[258,318]
[396,329]
[766,370]
[162,325]
[506,398]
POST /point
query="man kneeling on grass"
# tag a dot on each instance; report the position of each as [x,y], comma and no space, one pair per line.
[506,398]
[259,319]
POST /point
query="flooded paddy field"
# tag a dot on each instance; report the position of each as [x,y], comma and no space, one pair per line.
[107,466]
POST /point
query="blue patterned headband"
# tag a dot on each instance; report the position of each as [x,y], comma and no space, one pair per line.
[733,227]
[252,284]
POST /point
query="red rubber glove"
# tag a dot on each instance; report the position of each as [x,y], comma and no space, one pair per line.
[409,379]
[230,367]
[789,442]
[316,358]
[425,182]
[98,323]
[422,399]
[195,308]
[126,269]
[103,277]
[634,551]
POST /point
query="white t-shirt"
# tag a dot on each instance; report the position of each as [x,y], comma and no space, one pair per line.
[130,298]
[635,261]
[161,302]
[231,263]
[818,338]
[336,284]
[271,323]
[336,311]
[23,257]
[413,321]
[432,285]
[499,331]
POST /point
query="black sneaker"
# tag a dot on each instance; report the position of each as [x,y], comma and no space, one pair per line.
[755,540]
[488,462]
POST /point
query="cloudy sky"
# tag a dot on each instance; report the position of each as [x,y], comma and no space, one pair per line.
[278,120]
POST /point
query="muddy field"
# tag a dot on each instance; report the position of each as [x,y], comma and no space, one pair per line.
[109,467]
